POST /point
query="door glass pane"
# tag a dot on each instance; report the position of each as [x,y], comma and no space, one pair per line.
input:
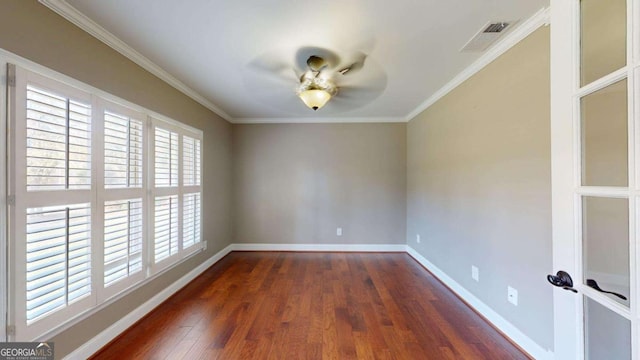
[607,335]
[603,33]
[605,237]
[604,136]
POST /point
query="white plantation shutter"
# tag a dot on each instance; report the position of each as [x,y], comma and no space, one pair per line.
[123,197]
[104,196]
[176,194]
[191,220]
[58,141]
[166,157]
[58,257]
[122,151]
[166,227]
[191,161]
[122,239]
[51,218]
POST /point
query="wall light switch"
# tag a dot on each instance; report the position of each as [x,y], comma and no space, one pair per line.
[339,231]
[512,295]
[418,238]
[475,273]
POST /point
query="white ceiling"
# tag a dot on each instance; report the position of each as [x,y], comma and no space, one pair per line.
[210,46]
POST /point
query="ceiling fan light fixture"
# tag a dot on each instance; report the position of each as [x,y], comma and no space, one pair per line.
[315,98]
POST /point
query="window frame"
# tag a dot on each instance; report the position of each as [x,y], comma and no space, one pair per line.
[179,190]
[100,297]
[112,194]
[30,199]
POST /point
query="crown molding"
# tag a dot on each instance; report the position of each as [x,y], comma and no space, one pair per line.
[540,18]
[62,8]
[309,120]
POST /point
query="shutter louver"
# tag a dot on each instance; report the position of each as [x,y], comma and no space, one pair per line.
[58,257]
[58,142]
[191,220]
[188,164]
[197,163]
[166,227]
[122,239]
[166,158]
[122,151]
[191,161]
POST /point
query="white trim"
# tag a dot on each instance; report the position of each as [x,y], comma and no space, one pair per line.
[310,120]
[96,343]
[493,317]
[70,13]
[322,247]
[518,34]
[565,144]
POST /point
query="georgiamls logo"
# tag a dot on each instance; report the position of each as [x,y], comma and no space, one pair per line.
[43,349]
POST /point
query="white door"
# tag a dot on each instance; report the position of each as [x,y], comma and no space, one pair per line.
[595,76]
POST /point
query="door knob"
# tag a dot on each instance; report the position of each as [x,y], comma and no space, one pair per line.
[562,279]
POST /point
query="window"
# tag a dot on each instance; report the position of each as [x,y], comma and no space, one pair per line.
[58,141]
[191,216]
[121,198]
[122,151]
[58,258]
[122,240]
[176,193]
[106,196]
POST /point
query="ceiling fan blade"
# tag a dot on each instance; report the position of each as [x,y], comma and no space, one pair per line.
[355,63]
[276,73]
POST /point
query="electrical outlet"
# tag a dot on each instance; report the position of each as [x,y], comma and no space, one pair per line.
[512,295]
[339,231]
[418,238]
[475,273]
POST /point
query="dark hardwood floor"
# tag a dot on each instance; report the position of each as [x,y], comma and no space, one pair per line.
[267,305]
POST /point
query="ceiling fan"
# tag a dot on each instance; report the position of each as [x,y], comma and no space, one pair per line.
[320,75]
[316,86]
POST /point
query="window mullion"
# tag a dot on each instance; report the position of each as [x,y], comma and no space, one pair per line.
[128,154]
[66,261]
[67,143]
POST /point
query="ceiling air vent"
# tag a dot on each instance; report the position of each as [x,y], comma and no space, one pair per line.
[496,27]
[487,35]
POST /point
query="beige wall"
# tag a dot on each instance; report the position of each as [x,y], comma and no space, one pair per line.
[32,31]
[479,185]
[296,183]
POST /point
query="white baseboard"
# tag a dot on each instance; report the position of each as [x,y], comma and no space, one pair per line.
[508,329]
[322,247]
[92,346]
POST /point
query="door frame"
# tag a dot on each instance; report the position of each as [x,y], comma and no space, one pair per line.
[567,336]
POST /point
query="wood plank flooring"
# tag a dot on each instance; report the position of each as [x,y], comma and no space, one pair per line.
[267,305]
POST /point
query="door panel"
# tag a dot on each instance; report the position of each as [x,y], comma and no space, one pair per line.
[607,334]
[604,136]
[605,245]
[603,38]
